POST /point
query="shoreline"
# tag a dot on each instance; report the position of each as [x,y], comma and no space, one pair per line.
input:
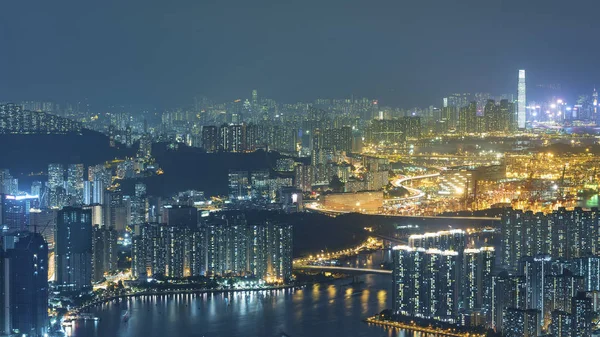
[404,326]
[202,291]
[178,292]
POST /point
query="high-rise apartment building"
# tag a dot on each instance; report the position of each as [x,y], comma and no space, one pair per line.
[520,323]
[582,313]
[222,245]
[562,324]
[426,283]
[73,249]
[455,239]
[561,234]
[104,250]
[75,184]
[210,138]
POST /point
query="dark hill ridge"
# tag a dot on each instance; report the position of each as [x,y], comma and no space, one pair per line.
[22,154]
[192,168]
[185,168]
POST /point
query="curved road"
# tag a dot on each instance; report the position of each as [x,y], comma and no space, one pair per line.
[415,193]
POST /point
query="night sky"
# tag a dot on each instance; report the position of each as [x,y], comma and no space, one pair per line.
[407,53]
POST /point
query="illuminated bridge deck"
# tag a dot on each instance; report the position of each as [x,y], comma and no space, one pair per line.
[347,270]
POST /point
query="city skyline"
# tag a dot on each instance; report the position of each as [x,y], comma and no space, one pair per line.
[257,168]
[294,52]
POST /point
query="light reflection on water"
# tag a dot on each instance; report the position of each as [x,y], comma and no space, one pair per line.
[318,310]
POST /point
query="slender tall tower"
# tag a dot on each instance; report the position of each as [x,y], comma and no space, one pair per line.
[595,102]
[522,100]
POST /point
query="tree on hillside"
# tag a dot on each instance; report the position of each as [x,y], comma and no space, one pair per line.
[336,184]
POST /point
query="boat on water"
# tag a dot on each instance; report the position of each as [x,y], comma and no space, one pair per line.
[125,316]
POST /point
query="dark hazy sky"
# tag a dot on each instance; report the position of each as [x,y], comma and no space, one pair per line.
[406,53]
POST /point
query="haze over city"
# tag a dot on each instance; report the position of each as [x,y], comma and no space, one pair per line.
[299,169]
[407,54]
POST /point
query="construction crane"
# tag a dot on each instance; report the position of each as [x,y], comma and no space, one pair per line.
[35,231]
[562,182]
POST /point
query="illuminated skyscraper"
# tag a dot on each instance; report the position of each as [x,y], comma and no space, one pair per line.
[595,103]
[75,183]
[56,174]
[56,179]
[522,100]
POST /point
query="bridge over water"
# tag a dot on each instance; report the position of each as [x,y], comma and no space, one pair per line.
[345,270]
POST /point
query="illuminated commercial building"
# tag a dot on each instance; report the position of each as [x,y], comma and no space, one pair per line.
[522,101]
